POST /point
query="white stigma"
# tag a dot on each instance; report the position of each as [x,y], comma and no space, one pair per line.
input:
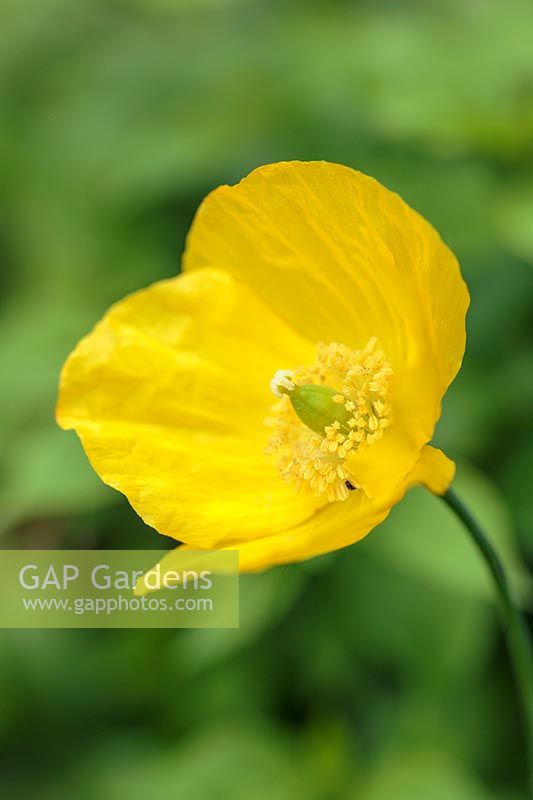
[282,380]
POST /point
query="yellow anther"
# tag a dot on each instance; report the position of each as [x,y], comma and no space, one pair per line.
[316,426]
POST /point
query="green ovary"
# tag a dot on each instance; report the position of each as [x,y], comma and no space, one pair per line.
[317,409]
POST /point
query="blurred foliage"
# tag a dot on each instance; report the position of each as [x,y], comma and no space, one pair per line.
[373,673]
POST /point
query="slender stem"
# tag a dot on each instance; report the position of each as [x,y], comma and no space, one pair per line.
[518,637]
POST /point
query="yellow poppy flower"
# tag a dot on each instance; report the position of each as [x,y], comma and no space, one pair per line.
[308,280]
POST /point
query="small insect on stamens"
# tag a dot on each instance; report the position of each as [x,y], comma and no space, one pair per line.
[349,485]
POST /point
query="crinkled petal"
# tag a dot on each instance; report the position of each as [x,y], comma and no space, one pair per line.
[341,258]
[338,524]
[169,394]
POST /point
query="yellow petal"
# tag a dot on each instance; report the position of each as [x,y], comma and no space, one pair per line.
[434,470]
[341,258]
[338,524]
[169,394]
[338,255]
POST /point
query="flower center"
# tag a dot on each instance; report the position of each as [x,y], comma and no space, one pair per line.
[334,407]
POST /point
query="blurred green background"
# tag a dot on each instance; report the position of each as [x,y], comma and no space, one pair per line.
[379,672]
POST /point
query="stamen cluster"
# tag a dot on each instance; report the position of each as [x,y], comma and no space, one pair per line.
[319,462]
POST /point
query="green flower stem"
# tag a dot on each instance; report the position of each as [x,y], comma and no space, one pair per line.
[518,637]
